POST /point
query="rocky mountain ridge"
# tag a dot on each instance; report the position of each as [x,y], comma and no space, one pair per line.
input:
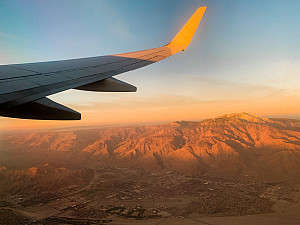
[233,144]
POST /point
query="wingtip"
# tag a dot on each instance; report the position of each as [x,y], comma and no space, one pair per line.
[182,40]
[200,10]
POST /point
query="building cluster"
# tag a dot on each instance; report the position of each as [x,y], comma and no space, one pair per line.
[132,194]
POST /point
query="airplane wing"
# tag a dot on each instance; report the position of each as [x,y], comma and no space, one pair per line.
[24,87]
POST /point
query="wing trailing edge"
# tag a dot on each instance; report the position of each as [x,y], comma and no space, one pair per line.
[42,109]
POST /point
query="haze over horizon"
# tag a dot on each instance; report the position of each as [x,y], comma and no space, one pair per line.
[244,57]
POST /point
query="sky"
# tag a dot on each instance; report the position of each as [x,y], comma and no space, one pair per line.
[243,58]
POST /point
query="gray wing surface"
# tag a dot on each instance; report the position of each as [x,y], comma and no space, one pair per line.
[24,87]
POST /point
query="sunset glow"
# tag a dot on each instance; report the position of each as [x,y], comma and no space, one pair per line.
[249,64]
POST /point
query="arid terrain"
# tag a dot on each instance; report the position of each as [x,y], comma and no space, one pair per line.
[234,169]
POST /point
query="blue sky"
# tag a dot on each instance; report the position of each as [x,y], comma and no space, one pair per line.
[243,51]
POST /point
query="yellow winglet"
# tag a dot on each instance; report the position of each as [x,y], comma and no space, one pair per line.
[185,35]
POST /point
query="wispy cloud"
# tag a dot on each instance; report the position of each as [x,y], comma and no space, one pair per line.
[5,35]
[225,89]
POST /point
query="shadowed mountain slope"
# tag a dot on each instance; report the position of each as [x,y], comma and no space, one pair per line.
[42,178]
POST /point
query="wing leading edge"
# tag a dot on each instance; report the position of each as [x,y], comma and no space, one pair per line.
[24,87]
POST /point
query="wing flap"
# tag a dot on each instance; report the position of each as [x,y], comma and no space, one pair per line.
[7,72]
[108,85]
[42,109]
[16,84]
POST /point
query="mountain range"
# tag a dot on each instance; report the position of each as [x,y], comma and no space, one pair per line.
[239,144]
